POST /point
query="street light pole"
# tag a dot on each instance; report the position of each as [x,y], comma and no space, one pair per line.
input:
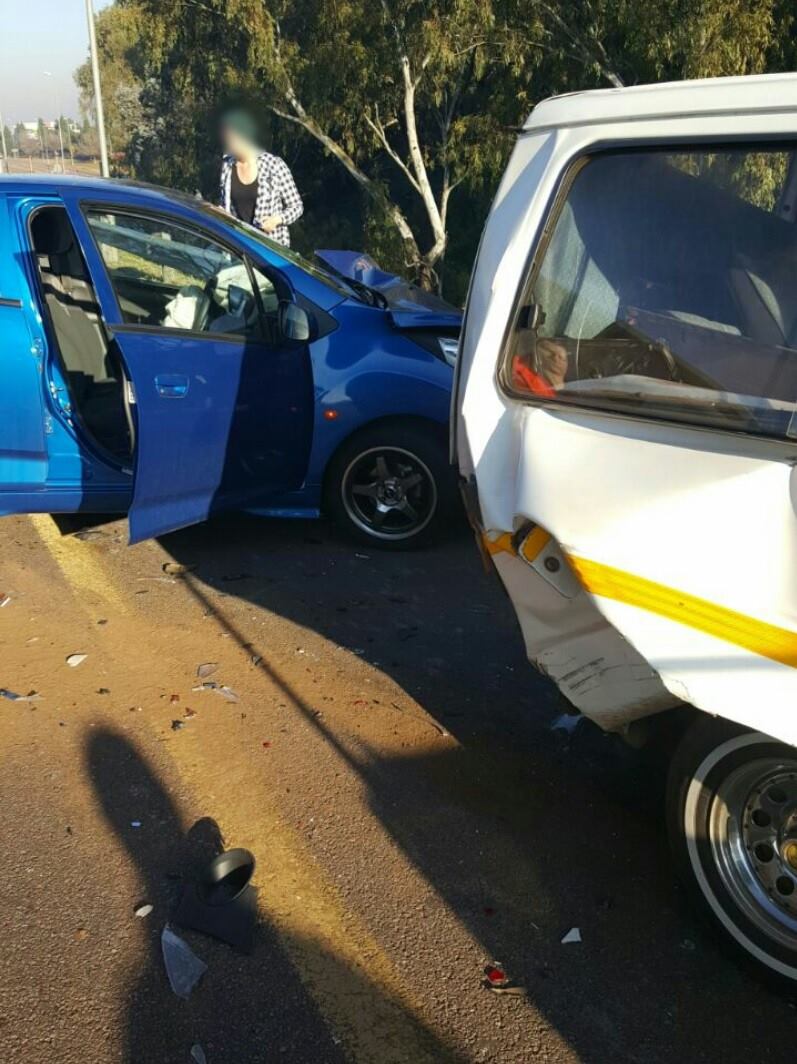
[3,142]
[95,72]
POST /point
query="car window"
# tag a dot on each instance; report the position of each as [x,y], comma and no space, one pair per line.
[337,284]
[667,289]
[173,277]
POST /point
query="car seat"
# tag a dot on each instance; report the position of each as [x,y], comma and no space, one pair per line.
[95,389]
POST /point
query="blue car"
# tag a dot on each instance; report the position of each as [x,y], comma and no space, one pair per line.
[161,359]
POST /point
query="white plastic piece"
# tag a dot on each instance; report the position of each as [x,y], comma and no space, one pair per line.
[183,967]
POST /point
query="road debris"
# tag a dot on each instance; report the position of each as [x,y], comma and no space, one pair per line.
[209,667]
[144,910]
[135,823]
[5,600]
[198,1054]
[567,722]
[189,713]
[183,968]
[73,660]
[31,696]
[220,689]
[87,534]
[496,980]
[177,724]
[103,690]
[177,568]
[572,936]
[222,902]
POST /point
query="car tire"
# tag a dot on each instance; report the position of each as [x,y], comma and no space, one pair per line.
[391,486]
[732,822]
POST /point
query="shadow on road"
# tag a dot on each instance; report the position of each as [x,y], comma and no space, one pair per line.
[248,1008]
[524,834]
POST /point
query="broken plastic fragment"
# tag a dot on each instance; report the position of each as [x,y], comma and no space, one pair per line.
[183,967]
[31,696]
[573,935]
[496,976]
[496,979]
[198,1054]
[4,600]
[209,667]
[144,910]
[219,688]
[135,823]
[73,660]
[568,722]
[177,569]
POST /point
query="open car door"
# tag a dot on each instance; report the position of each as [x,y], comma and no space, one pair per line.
[220,390]
[23,450]
[634,451]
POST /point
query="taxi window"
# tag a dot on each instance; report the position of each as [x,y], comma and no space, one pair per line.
[666,289]
[173,277]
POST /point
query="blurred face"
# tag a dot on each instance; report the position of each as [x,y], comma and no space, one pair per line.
[234,143]
[552,357]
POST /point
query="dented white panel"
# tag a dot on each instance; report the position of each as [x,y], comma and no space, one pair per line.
[569,640]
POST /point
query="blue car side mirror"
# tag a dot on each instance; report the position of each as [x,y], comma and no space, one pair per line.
[295,324]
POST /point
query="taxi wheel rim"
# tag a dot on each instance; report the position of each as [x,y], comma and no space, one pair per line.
[752,833]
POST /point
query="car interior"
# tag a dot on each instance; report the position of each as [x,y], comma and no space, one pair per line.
[659,268]
[169,277]
[98,389]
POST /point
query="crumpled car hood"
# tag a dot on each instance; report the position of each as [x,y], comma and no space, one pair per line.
[409,306]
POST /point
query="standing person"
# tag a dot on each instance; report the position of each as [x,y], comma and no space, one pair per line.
[256,187]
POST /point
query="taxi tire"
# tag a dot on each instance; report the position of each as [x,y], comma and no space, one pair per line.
[709,751]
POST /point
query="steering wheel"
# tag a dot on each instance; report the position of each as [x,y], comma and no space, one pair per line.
[614,357]
[202,315]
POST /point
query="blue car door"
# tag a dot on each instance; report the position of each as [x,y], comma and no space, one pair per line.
[223,407]
[23,451]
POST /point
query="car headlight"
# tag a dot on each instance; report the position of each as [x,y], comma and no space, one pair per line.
[450,349]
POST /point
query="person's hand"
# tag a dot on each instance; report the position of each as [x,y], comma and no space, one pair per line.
[271,222]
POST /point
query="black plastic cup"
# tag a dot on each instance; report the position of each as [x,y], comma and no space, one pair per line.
[226,877]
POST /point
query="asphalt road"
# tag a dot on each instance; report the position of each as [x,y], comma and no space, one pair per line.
[391,765]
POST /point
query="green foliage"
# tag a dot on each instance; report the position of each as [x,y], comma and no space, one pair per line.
[327,78]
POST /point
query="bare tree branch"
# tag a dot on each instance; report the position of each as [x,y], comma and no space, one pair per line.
[379,130]
[591,48]
[299,116]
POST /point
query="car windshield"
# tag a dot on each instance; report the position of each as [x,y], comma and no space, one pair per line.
[252,233]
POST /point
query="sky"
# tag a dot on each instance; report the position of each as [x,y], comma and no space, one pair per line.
[39,35]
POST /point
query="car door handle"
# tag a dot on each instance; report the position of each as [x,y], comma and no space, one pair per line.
[171,385]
